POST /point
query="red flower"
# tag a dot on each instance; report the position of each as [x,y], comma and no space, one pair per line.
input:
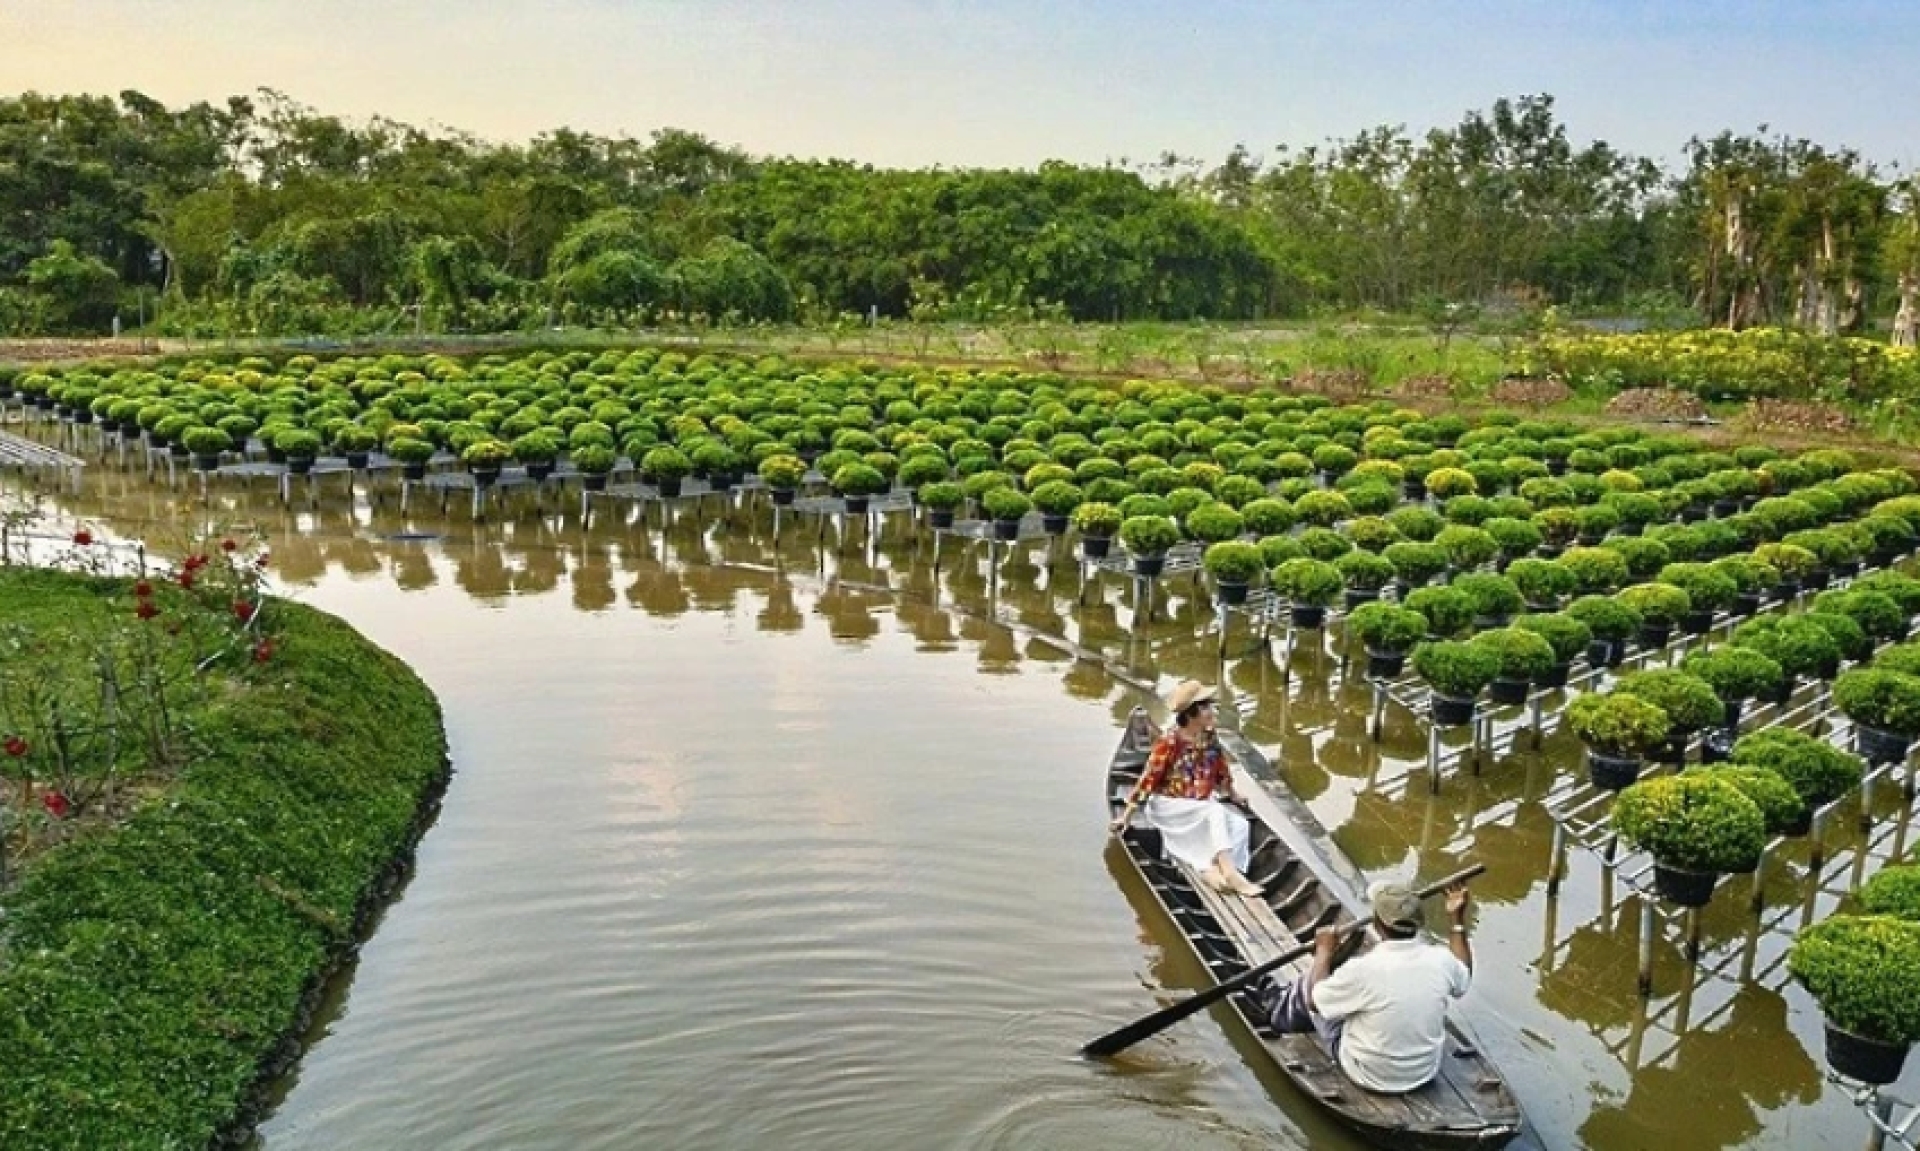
[228,545]
[242,610]
[56,804]
[145,609]
[195,563]
[83,537]
[263,651]
[143,589]
[15,746]
[186,578]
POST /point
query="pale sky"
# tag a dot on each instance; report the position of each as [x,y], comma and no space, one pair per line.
[1001,82]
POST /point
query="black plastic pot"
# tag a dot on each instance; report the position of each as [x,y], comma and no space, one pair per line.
[1096,547]
[1684,888]
[539,470]
[594,481]
[275,455]
[1508,692]
[1355,596]
[1876,745]
[357,459]
[1788,685]
[1385,664]
[1733,708]
[1149,566]
[1847,569]
[1005,529]
[1556,467]
[1451,712]
[1490,622]
[1654,636]
[1674,750]
[1800,824]
[299,465]
[485,476]
[1414,491]
[1053,525]
[1716,746]
[1611,772]
[1864,1060]
[1606,652]
[1746,603]
[1555,676]
[667,486]
[856,505]
[1693,513]
[1697,622]
[1629,529]
[1786,589]
[783,497]
[1725,508]
[1541,608]
[1306,615]
[1816,580]
[1231,591]
[207,463]
[413,470]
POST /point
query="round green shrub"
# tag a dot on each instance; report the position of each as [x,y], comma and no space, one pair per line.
[1851,638]
[1894,891]
[1522,654]
[1148,535]
[1417,524]
[1308,582]
[1799,646]
[1324,543]
[1877,613]
[1446,483]
[1514,537]
[1596,569]
[1543,582]
[1707,588]
[1374,533]
[1234,561]
[1887,700]
[947,495]
[1456,670]
[1692,821]
[1005,505]
[857,479]
[1095,519]
[1386,627]
[1780,805]
[1448,612]
[668,463]
[1901,588]
[1659,604]
[1817,770]
[1213,522]
[1363,570]
[1607,617]
[1735,673]
[1415,563]
[1322,508]
[591,459]
[1268,517]
[1864,971]
[1689,701]
[1466,547]
[1566,635]
[1618,725]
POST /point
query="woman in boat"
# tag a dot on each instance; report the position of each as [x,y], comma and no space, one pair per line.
[1185,790]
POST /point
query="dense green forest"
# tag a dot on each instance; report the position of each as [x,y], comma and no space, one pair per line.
[261,215]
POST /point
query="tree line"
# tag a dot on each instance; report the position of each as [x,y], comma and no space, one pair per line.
[260,214]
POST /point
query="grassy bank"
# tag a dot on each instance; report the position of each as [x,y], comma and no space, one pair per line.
[156,969]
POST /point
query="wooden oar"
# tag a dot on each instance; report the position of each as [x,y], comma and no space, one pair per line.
[1114,1042]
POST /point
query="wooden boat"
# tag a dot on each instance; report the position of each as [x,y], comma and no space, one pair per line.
[1467,1105]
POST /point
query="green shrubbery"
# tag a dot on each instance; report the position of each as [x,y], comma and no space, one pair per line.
[1693,821]
[151,971]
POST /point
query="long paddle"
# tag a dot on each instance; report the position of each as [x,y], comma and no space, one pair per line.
[1114,1042]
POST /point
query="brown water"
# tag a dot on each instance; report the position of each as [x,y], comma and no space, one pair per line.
[801,844]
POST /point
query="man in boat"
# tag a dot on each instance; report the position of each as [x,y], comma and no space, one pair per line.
[1186,788]
[1383,1015]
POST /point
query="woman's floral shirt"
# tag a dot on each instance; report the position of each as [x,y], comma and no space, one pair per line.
[1181,769]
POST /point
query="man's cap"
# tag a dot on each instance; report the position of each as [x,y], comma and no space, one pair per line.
[1395,905]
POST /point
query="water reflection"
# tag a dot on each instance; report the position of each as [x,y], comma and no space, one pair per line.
[863,585]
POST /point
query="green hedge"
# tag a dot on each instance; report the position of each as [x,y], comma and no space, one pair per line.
[151,974]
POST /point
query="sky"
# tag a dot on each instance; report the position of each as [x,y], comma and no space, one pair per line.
[1002,83]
